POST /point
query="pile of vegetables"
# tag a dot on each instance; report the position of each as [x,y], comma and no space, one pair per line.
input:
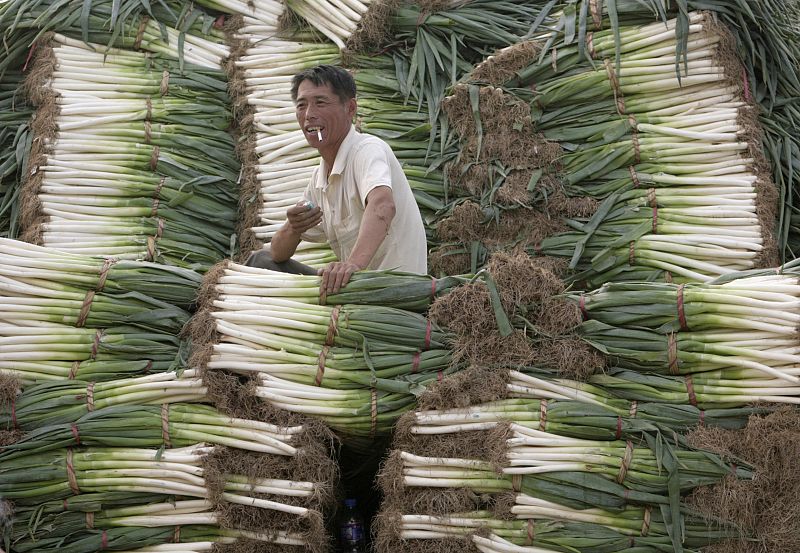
[357,361]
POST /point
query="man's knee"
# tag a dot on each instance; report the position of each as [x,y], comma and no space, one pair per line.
[262,259]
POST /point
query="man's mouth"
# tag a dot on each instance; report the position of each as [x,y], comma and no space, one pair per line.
[315,130]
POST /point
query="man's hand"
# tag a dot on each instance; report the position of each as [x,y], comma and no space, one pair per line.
[300,218]
[335,276]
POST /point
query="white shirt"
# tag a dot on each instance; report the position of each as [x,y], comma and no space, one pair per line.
[363,163]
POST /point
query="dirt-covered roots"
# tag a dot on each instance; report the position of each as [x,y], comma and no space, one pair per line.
[766,508]
[519,227]
[504,63]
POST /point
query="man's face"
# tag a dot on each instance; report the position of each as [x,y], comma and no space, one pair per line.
[320,112]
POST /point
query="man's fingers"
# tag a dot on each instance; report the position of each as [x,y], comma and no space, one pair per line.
[345,278]
[305,221]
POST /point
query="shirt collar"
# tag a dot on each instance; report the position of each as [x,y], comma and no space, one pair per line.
[341,158]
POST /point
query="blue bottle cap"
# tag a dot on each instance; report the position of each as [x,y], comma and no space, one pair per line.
[350,503]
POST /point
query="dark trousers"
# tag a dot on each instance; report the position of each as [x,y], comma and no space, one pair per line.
[263,260]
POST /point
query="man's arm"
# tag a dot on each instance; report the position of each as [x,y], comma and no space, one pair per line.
[298,220]
[378,215]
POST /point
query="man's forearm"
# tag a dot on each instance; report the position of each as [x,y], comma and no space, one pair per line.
[284,244]
[374,228]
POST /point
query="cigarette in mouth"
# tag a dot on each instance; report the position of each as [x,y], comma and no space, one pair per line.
[319,135]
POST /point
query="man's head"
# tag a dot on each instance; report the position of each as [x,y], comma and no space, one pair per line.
[340,80]
[325,104]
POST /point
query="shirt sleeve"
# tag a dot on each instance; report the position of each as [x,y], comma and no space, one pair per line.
[371,164]
[315,234]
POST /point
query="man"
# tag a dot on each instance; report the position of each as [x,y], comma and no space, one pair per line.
[358,198]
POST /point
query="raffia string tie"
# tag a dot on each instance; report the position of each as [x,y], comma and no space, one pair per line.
[153,240]
[374,413]
[73,370]
[149,111]
[331,334]
[98,335]
[75,434]
[632,253]
[637,149]
[672,354]
[590,45]
[90,397]
[597,14]
[646,522]
[427,344]
[626,462]
[165,425]
[71,477]
[542,415]
[321,365]
[176,535]
[516,482]
[681,309]
[148,130]
[90,520]
[634,408]
[137,44]
[690,390]
[615,88]
[108,262]
[157,196]
[154,158]
[164,88]
[634,176]
[530,532]
[85,308]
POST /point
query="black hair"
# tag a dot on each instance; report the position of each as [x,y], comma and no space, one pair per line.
[341,80]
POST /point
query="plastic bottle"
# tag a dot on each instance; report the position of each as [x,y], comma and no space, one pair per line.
[351,530]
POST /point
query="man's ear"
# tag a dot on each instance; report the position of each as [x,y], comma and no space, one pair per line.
[352,107]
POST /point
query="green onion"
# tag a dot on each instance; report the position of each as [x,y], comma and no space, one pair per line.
[747,323]
[178,425]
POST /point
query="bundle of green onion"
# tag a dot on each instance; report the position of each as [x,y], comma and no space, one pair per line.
[66,401]
[633,398]
[336,19]
[541,526]
[672,155]
[448,38]
[169,425]
[615,484]
[140,164]
[169,27]
[389,110]
[577,410]
[637,469]
[15,138]
[710,391]
[126,521]
[60,473]
[58,352]
[27,304]
[356,366]
[741,327]
[260,18]
[38,266]
[407,291]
